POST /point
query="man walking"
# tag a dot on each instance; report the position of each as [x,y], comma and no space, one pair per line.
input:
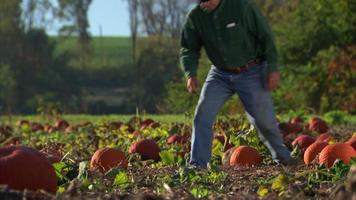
[240,45]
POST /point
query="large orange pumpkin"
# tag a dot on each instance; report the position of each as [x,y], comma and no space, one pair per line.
[106,158]
[147,148]
[352,142]
[303,142]
[26,168]
[332,152]
[313,150]
[245,156]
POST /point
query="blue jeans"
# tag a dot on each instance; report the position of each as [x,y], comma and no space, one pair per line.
[251,87]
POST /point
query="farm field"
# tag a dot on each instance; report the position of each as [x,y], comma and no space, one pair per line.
[107,51]
[158,171]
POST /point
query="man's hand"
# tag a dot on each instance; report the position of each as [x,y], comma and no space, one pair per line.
[273,80]
[192,85]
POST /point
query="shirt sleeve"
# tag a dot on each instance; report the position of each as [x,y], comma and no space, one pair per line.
[190,48]
[258,26]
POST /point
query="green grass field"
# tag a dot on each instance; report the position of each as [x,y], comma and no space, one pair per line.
[108,51]
[338,120]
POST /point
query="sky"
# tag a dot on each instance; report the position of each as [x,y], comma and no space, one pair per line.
[111,15]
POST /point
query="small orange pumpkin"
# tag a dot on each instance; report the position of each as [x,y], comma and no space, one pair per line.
[245,156]
[26,168]
[318,125]
[147,148]
[303,142]
[325,137]
[176,139]
[313,150]
[106,158]
[296,120]
[332,152]
[61,124]
[227,156]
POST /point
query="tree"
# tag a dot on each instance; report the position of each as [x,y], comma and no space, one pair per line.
[11,35]
[133,12]
[76,12]
[37,14]
[163,17]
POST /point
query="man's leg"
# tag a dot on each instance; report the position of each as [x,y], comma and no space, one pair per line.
[215,92]
[252,90]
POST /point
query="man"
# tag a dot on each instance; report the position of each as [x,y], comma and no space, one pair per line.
[240,45]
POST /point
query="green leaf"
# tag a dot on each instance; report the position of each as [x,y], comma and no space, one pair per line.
[121,180]
[168,157]
[199,192]
[217,148]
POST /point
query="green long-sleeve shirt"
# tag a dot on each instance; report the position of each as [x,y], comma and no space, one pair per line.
[233,34]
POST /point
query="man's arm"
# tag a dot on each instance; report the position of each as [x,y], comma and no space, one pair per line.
[258,26]
[190,49]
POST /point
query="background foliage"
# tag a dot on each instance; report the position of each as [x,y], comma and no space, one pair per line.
[82,74]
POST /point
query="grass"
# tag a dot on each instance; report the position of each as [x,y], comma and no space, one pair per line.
[349,119]
[96,118]
[107,51]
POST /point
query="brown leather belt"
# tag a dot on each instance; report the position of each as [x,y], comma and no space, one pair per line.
[243,68]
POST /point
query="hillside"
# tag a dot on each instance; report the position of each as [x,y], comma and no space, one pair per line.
[108,51]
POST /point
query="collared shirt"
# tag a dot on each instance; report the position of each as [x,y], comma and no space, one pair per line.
[233,34]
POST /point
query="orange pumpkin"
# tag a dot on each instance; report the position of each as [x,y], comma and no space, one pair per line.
[26,168]
[227,156]
[36,127]
[352,142]
[176,139]
[325,137]
[313,150]
[332,152]
[296,120]
[147,148]
[106,158]
[303,142]
[61,124]
[146,123]
[22,122]
[245,156]
[318,125]
[295,127]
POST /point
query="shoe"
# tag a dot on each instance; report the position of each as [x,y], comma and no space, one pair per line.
[191,168]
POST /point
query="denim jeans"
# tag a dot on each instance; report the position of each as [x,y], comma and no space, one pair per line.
[251,87]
